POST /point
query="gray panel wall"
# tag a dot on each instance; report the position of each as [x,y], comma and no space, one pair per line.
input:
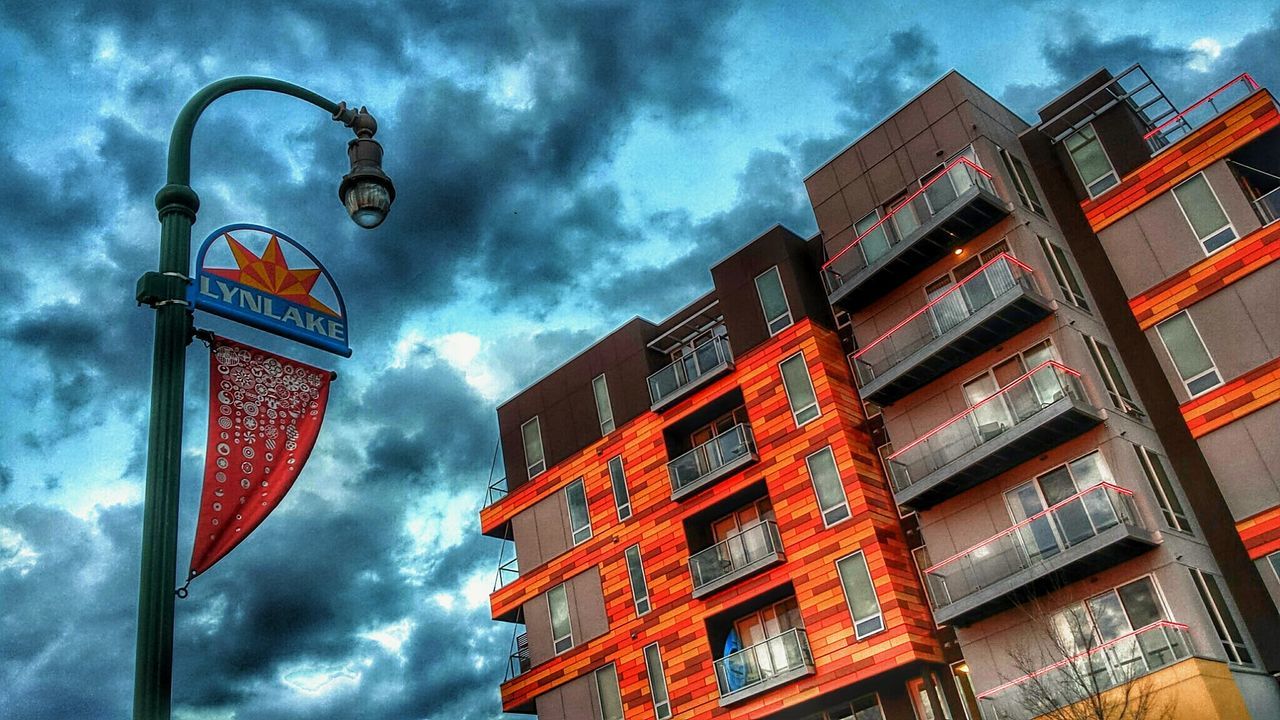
[577,699]
[587,617]
[541,532]
[1245,458]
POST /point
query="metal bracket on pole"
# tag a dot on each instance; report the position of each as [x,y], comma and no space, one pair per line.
[157,289]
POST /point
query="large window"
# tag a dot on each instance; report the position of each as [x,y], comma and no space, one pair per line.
[1108,617]
[1162,486]
[604,408]
[535,460]
[1046,535]
[1021,180]
[607,688]
[860,594]
[561,628]
[639,588]
[618,479]
[575,496]
[1224,622]
[777,314]
[799,389]
[827,485]
[1109,369]
[657,682]
[1203,211]
[1189,354]
[1064,273]
[1091,161]
[921,702]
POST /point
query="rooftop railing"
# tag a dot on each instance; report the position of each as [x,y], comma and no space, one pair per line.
[1043,536]
[735,554]
[902,222]
[673,379]
[974,292]
[1090,673]
[710,457]
[1016,403]
[1201,112]
[751,668]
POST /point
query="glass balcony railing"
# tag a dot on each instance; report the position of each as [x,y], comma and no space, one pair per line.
[942,314]
[1078,677]
[735,557]
[1016,404]
[1200,113]
[903,221]
[761,666]
[677,378]
[708,460]
[1041,537]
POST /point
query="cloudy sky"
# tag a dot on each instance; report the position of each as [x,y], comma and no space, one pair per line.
[561,167]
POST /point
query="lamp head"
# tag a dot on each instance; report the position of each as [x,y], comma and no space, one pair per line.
[366,191]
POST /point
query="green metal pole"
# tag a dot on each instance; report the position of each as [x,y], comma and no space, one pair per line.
[177,204]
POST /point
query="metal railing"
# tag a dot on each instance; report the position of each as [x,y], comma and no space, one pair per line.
[497,491]
[756,543]
[902,222]
[1109,664]
[1016,403]
[518,661]
[975,291]
[710,456]
[1036,539]
[751,666]
[1268,207]
[670,380]
[1202,111]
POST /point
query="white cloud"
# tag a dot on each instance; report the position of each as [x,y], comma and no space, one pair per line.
[15,552]
[1206,50]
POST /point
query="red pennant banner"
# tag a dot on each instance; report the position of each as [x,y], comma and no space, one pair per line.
[264,415]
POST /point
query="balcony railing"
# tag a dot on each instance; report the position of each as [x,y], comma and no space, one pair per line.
[497,491]
[507,571]
[1090,673]
[684,374]
[740,555]
[762,666]
[711,460]
[1201,112]
[518,662]
[951,317]
[903,221]
[1031,543]
[1268,207]
[1014,406]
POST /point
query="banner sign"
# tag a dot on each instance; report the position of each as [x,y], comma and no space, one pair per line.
[271,286]
[264,415]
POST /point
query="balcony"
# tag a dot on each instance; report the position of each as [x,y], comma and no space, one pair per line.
[518,662]
[717,458]
[763,666]
[1040,410]
[987,307]
[1200,113]
[728,561]
[707,361]
[1085,533]
[1107,665]
[955,206]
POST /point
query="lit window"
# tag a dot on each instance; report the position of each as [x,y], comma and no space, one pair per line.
[1091,161]
[607,688]
[535,460]
[773,300]
[860,594]
[657,682]
[1162,485]
[1223,620]
[618,479]
[1066,276]
[799,389]
[826,483]
[1203,211]
[604,408]
[1021,180]
[1109,369]
[1189,354]
[639,588]
[561,628]
[575,496]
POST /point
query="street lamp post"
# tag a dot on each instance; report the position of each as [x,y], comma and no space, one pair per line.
[367,194]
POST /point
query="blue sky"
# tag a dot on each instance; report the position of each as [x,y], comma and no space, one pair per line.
[560,168]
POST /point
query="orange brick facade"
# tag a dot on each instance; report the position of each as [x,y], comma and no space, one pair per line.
[676,622]
[1261,533]
[1227,403]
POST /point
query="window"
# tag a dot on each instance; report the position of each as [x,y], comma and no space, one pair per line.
[604,409]
[1106,618]
[827,485]
[1203,211]
[607,688]
[799,389]
[1189,354]
[1274,559]
[964,685]
[1223,621]
[1068,282]
[561,628]
[1075,520]
[535,460]
[1162,486]
[875,244]
[1021,181]
[618,478]
[639,589]
[920,702]
[860,594]
[773,300]
[657,682]
[575,496]
[1109,369]
[1091,161]
[866,707]
[921,557]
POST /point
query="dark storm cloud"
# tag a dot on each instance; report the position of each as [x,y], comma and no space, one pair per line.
[881,81]
[6,478]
